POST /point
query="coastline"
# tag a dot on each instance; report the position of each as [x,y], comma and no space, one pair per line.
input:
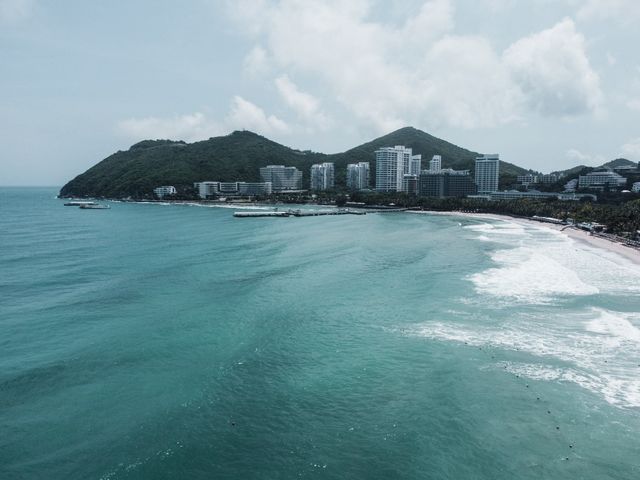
[628,253]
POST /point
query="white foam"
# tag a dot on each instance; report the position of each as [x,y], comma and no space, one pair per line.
[618,325]
[502,228]
[528,275]
[543,264]
[599,349]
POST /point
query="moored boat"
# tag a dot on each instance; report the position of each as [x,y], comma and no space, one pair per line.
[94,206]
[78,203]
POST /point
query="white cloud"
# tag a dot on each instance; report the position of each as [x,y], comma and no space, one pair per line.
[248,116]
[306,106]
[197,126]
[625,11]
[554,73]
[190,127]
[631,149]
[466,85]
[12,11]
[577,156]
[634,104]
[419,72]
[256,63]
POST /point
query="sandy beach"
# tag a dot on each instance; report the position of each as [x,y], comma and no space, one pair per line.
[628,253]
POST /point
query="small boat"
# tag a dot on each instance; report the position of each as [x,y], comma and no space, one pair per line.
[79,203]
[94,206]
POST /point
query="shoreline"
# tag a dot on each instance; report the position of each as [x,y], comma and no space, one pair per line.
[629,253]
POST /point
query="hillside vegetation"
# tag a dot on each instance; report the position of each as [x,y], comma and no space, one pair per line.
[239,156]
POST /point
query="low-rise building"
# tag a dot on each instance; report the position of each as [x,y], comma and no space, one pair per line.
[548,178]
[534,194]
[410,184]
[601,180]
[164,191]
[230,189]
[446,183]
[571,185]
[636,187]
[528,179]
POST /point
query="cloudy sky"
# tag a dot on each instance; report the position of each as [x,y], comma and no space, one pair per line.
[546,83]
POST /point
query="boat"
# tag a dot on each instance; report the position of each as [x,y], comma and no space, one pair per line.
[79,203]
[94,206]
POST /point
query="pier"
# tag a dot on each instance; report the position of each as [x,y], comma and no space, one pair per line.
[298,213]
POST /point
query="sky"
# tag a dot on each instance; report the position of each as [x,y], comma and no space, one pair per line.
[547,84]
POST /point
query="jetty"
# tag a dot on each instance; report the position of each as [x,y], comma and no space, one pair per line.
[298,213]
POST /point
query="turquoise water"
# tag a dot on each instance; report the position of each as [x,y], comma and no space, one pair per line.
[157,341]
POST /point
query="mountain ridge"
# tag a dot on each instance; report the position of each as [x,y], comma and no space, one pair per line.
[238,157]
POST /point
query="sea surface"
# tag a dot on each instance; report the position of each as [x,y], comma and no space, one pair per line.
[157,341]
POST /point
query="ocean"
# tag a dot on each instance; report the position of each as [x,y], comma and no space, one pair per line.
[155,341]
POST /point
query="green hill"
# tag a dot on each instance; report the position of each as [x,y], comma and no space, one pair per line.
[238,156]
[619,162]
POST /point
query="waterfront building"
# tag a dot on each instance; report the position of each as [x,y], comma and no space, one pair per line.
[230,189]
[528,179]
[487,173]
[534,194]
[435,164]
[601,180]
[392,164]
[282,178]
[358,176]
[252,189]
[446,183]
[322,176]
[164,191]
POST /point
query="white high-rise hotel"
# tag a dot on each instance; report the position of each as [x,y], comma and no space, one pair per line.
[395,168]
[322,176]
[487,173]
[435,164]
[358,176]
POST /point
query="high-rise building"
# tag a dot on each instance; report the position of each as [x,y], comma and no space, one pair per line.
[487,173]
[281,177]
[446,183]
[435,164]
[358,176]
[392,164]
[415,166]
[322,176]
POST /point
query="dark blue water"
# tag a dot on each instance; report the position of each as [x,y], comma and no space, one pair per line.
[151,341]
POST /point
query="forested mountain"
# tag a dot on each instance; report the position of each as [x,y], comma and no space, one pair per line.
[238,157]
